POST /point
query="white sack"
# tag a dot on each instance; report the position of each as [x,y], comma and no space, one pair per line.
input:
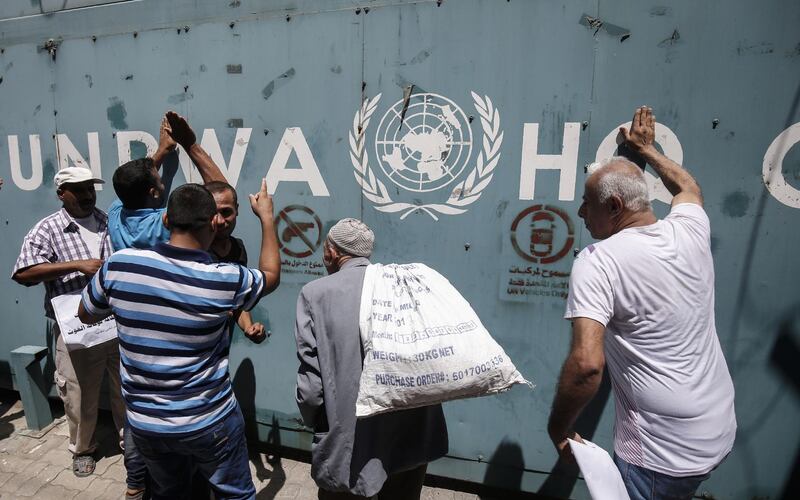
[423,343]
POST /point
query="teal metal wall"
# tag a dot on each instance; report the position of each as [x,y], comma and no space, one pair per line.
[279,84]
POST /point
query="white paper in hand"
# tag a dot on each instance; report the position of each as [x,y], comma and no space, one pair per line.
[77,335]
[599,471]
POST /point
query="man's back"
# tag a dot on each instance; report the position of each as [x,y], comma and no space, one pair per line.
[172,310]
[142,228]
[350,454]
[653,288]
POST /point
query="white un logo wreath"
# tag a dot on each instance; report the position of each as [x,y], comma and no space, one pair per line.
[437,143]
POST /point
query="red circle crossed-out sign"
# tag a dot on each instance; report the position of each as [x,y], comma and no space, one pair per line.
[547,225]
[296,226]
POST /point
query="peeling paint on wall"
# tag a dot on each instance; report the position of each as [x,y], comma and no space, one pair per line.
[277,83]
[598,24]
[116,113]
[735,204]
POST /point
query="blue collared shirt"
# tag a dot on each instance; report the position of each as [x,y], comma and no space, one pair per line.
[140,228]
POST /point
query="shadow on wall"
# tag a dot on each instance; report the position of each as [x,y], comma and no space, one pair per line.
[785,342]
[563,476]
[784,356]
[506,467]
[244,386]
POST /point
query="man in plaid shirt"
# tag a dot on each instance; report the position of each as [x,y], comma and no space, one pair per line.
[63,251]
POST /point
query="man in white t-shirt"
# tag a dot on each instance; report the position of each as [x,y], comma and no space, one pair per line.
[641,301]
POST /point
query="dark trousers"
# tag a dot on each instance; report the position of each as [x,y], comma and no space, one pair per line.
[134,462]
[406,485]
[218,453]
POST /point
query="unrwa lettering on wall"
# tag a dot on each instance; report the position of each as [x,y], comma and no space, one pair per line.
[293,141]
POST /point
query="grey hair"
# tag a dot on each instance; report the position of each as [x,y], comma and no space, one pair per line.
[631,186]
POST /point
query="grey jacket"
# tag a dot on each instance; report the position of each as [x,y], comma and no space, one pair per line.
[349,454]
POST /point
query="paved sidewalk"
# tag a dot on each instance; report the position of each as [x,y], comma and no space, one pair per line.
[41,468]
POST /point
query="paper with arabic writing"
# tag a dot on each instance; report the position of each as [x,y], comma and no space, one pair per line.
[75,333]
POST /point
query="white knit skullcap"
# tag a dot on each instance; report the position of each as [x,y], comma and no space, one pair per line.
[353,236]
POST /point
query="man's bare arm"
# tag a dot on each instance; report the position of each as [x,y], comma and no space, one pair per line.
[88,318]
[49,271]
[185,136]
[580,378]
[253,331]
[269,261]
[677,180]
[166,144]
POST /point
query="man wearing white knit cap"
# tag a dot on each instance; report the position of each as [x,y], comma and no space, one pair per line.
[384,455]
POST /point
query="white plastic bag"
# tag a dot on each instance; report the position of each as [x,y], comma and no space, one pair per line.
[423,343]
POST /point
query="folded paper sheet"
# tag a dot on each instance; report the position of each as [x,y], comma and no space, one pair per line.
[599,471]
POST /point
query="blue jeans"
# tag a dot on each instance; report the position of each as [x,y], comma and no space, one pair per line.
[134,462]
[645,484]
[218,453]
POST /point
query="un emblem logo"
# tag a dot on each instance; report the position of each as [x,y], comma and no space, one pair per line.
[422,144]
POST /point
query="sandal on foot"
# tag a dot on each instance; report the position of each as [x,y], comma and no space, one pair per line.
[83,465]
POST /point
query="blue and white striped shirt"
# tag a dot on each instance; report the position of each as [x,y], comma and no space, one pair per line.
[172,307]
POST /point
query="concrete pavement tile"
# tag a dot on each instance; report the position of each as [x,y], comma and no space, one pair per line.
[114,491]
[4,477]
[51,472]
[436,494]
[97,487]
[39,448]
[13,463]
[300,471]
[288,491]
[30,487]
[285,463]
[61,429]
[53,492]
[460,495]
[116,472]
[12,443]
[16,481]
[104,463]
[60,456]
[307,492]
[72,482]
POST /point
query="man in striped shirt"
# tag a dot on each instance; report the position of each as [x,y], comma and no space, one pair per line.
[173,304]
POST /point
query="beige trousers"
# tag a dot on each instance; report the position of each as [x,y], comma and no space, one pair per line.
[78,377]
